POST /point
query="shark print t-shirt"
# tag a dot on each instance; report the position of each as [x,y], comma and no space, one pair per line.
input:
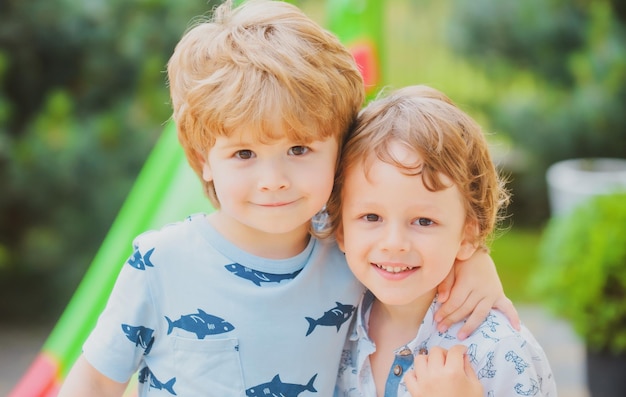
[193,315]
[507,362]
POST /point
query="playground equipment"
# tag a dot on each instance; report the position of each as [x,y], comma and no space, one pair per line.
[165,191]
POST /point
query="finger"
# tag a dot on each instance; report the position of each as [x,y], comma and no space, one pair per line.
[469,368]
[444,288]
[410,380]
[457,310]
[455,358]
[455,301]
[420,363]
[475,319]
[505,305]
[436,356]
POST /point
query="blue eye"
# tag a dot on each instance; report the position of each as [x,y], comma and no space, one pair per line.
[244,154]
[298,150]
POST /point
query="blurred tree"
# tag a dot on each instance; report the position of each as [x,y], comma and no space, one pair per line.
[563,68]
[83,97]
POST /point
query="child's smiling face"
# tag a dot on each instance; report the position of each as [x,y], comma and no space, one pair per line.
[270,188]
[400,238]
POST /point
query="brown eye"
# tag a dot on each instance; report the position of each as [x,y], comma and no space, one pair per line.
[425,222]
[298,150]
[244,154]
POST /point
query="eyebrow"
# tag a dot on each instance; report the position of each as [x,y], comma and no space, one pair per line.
[435,209]
[234,144]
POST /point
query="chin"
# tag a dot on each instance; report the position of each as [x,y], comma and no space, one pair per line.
[395,299]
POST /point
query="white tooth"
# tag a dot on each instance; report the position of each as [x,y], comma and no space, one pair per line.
[393,269]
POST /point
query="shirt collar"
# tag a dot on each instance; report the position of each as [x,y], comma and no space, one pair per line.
[423,335]
[360,330]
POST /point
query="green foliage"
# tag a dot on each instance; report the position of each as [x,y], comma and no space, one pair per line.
[582,272]
[83,97]
[572,56]
[530,34]
[515,255]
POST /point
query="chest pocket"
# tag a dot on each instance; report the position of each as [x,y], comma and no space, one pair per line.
[210,367]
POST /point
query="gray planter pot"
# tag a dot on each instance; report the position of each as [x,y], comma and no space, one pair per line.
[570,182]
[605,374]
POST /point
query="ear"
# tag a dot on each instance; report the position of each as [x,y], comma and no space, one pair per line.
[339,237]
[207,174]
[468,245]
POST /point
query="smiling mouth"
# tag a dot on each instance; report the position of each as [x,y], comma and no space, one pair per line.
[277,204]
[394,269]
[271,205]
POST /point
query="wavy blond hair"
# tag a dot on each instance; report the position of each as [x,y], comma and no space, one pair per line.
[448,141]
[266,67]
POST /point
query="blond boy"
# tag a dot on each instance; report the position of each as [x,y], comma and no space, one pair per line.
[417,191]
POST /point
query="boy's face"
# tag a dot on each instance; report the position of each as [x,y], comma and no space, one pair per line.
[400,239]
[272,189]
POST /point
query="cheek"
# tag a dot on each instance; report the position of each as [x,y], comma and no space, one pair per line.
[326,173]
[228,188]
[320,180]
[354,258]
[355,243]
[443,252]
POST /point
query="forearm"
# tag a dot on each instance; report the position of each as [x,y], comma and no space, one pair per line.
[474,290]
[84,380]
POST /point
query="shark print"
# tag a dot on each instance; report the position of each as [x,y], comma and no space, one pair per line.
[258,277]
[279,389]
[333,317]
[140,262]
[141,336]
[145,375]
[201,324]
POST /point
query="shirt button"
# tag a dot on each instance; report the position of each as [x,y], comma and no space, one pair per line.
[423,351]
[397,370]
[405,352]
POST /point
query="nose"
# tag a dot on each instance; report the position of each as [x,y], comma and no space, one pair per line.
[394,238]
[273,175]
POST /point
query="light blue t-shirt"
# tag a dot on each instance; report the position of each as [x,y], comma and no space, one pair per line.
[508,363]
[196,316]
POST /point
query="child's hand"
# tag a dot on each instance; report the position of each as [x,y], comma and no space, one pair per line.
[443,374]
[471,290]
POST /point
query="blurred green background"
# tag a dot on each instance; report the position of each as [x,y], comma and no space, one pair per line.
[83,98]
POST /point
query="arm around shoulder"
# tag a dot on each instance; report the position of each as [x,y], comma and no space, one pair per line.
[84,380]
[476,289]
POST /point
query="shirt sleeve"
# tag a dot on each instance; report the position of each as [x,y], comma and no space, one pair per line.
[516,366]
[125,330]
